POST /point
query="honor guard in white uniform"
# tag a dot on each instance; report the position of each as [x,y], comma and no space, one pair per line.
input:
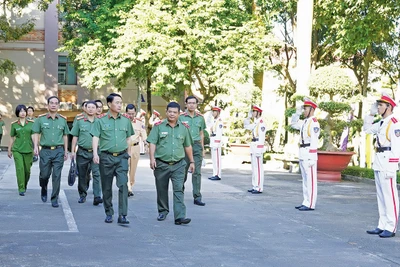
[140,134]
[385,165]
[309,134]
[154,118]
[215,143]
[142,117]
[256,149]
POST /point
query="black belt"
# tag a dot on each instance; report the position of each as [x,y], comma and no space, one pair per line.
[51,147]
[304,145]
[197,142]
[212,135]
[254,140]
[169,163]
[87,150]
[135,144]
[115,154]
[382,149]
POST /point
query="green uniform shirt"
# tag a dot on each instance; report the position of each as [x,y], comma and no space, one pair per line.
[1,126]
[81,128]
[23,136]
[196,124]
[51,131]
[112,133]
[170,142]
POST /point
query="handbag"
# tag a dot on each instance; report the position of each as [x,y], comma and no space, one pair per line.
[72,173]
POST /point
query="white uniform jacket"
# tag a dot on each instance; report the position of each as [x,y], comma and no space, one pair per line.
[259,129]
[216,133]
[309,135]
[387,133]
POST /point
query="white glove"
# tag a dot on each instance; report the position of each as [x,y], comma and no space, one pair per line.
[374,109]
[389,175]
[203,163]
[299,108]
[311,163]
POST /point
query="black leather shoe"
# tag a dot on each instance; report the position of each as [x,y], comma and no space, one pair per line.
[215,178]
[376,231]
[161,217]
[82,200]
[21,194]
[304,208]
[298,207]
[256,192]
[122,219]
[55,204]
[130,194]
[182,221]
[199,203]
[250,190]
[44,194]
[387,234]
[109,219]
[97,201]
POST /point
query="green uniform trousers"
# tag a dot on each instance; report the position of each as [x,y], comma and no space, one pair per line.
[117,166]
[196,176]
[51,163]
[163,172]
[84,162]
[23,164]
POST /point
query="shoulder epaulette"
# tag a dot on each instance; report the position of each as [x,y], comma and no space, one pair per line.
[126,116]
[394,120]
[79,118]
[199,114]
[315,119]
[101,115]
[158,123]
[186,125]
[14,122]
[41,115]
[62,116]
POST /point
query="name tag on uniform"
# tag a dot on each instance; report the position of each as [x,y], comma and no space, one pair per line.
[185,122]
[164,132]
[45,123]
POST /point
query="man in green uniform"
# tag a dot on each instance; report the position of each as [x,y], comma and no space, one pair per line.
[112,132]
[84,156]
[197,125]
[169,140]
[53,130]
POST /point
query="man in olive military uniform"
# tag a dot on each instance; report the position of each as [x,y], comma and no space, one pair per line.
[84,156]
[169,140]
[111,132]
[197,125]
[53,130]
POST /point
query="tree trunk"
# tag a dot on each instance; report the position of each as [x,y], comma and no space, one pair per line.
[149,108]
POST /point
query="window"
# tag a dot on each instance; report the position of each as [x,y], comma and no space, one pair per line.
[66,71]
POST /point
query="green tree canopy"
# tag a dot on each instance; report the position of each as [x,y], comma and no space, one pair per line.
[176,44]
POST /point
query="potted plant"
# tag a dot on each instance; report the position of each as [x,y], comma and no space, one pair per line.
[334,88]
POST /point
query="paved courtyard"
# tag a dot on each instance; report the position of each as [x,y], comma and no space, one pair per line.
[235,228]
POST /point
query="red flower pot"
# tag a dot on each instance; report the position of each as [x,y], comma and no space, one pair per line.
[331,164]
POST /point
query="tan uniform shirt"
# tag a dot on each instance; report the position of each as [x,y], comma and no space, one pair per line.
[140,131]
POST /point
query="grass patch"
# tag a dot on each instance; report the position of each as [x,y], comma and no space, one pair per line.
[363,172]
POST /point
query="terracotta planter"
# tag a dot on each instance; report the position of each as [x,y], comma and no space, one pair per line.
[331,164]
[239,149]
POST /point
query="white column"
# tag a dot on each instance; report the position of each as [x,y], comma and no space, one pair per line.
[303,44]
[50,45]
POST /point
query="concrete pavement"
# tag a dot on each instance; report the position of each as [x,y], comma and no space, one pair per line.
[235,228]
